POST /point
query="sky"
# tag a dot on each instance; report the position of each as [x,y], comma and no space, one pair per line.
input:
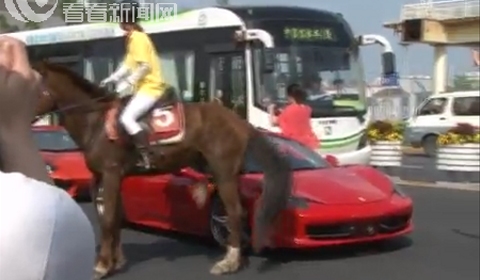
[367,17]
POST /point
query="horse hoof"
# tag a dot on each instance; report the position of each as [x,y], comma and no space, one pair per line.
[99,273]
[224,267]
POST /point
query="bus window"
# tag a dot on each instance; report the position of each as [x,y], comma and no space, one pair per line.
[227,81]
[177,71]
[97,68]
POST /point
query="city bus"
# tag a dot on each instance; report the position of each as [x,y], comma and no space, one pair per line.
[245,57]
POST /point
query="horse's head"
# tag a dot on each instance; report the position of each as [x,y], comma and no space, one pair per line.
[63,89]
[46,101]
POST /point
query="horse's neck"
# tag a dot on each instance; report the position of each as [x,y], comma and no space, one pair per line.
[84,127]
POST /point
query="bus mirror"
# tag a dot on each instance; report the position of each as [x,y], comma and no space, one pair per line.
[388,63]
[268,63]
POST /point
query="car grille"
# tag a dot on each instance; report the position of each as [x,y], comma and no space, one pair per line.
[384,225]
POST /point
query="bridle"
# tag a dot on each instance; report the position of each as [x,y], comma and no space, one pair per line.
[47,94]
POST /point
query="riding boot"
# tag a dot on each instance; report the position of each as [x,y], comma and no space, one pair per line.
[143,145]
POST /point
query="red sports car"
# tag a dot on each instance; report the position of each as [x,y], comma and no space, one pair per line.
[65,162]
[329,205]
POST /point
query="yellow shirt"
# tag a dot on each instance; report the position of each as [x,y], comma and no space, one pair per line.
[140,49]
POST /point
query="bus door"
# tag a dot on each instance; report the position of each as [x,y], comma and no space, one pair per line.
[227,82]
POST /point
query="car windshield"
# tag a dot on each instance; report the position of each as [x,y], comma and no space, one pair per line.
[54,140]
[299,156]
[332,77]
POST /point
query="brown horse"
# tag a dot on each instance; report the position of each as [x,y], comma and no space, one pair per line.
[188,133]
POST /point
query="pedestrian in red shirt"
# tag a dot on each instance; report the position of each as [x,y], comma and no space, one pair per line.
[294,119]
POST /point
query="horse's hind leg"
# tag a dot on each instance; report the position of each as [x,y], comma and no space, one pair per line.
[229,194]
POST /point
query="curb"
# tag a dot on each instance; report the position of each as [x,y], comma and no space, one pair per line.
[438,184]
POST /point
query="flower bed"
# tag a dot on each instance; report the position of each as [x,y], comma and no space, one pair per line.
[459,149]
[386,141]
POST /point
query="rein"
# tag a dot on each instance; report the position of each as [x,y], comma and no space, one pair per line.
[70,107]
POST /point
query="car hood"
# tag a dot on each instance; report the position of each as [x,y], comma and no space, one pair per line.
[339,186]
[67,162]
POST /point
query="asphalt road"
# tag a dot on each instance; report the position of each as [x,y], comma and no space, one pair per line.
[421,168]
[444,246]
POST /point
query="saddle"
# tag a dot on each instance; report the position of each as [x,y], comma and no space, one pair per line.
[165,121]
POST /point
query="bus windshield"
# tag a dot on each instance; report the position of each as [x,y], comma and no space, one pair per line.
[332,77]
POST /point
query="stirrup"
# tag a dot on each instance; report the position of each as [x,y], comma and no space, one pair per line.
[146,159]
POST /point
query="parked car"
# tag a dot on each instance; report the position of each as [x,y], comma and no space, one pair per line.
[437,114]
[64,161]
[329,205]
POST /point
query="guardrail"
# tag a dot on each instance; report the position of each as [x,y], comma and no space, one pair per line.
[441,10]
[419,170]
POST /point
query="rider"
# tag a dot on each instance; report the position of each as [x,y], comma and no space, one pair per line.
[139,75]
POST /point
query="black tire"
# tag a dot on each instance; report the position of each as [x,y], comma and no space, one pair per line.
[218,227]
[429,145]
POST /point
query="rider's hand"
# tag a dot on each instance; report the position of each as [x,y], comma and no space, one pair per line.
[124,88]
[19,93]
[105,82]
[20,86]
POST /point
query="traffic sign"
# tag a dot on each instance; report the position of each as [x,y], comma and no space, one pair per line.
[390,80]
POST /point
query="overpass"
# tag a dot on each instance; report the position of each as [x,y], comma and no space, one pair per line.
[440,24]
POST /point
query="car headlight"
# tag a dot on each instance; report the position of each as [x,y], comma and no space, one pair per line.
[296,202]
[398,190]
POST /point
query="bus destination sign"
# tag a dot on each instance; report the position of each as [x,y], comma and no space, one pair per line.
[307,34]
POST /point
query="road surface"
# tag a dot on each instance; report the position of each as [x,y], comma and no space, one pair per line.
[444,246]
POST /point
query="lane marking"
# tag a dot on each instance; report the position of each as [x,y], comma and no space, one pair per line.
[441,185]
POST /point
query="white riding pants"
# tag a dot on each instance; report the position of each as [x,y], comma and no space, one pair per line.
[138,105]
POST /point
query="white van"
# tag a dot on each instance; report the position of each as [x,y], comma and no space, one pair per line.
[437,114]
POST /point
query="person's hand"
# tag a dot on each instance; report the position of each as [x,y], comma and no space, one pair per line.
[124,88]
[20,86]
[105,82]
[19,93]
[271,109]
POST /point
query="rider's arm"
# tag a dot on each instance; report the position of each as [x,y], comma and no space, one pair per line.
[120,73]
[141,71]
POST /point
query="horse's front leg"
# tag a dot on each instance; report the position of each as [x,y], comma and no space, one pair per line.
[230,197]
[110,256]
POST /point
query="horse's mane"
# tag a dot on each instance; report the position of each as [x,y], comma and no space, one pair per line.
[89,88]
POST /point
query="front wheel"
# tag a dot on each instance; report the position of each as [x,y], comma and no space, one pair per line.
[219,228]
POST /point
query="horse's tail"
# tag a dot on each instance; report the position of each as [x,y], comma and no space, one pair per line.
[276,187]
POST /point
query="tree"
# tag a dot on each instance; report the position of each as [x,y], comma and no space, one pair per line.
[6,27]
[31,25]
